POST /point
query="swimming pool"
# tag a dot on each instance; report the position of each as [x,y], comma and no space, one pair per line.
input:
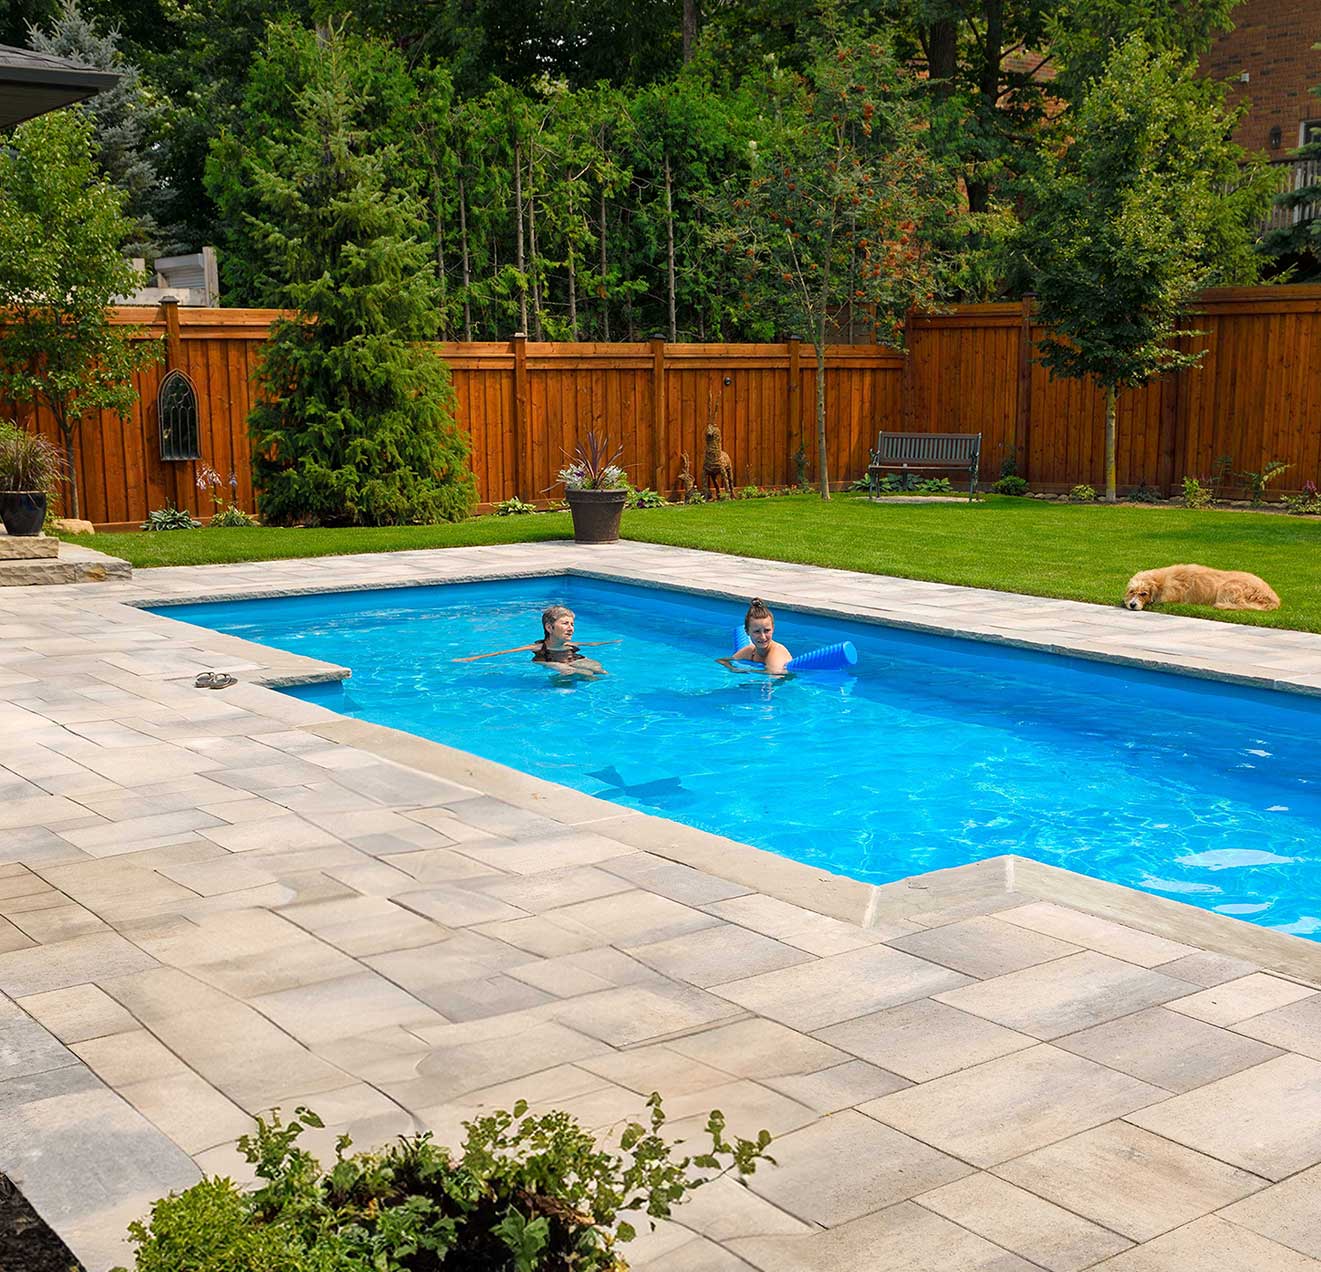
[933,752]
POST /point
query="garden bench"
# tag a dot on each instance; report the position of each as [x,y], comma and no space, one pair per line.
[920,452]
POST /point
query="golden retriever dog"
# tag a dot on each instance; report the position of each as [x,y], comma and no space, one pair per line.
[1199,585]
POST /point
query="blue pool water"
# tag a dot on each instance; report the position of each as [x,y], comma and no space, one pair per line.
[933,752]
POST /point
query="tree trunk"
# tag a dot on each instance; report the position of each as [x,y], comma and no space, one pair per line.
[75,510]
[822,465]
[573,294]
[988,83]
[942,50]
[519,260]
[605,290]
[692,26]
[533,263]
[1110,443]
[442,273]
[669,249]
[467,260]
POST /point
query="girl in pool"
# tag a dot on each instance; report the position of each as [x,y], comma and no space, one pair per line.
[556,647]
[762,647]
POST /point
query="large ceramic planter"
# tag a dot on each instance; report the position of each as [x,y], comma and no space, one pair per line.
[23,511]
[596,514]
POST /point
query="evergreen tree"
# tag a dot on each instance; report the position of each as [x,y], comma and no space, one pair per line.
[1298,244]
[356,426]
[126,120]
[60,271]
[1146,206]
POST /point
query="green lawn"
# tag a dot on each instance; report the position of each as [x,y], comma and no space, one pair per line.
[1082,552]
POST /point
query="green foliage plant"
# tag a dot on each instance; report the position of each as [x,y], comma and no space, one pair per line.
[232,518]
[61,269]
[1083,493]
[1145,206]
[171,518]
[29,464]
[1142,493]
[356,424]
[1011,485]
[841,191]
[1307,502]
[1196,493]
[514,507]
[1297,243]
[1257,482]
[647,498]
[593,466]
[525,1193]
[1222,469]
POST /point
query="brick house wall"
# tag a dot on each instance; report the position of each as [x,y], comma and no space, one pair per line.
[1272,42]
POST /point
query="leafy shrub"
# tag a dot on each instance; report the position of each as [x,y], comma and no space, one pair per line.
[647,498]
[1142,493]
[28,463]
[1195,493]
[593,466]
[695,496]
[514,507]
[1083,493]
[526,1193]
[756,492]
[933,486]
[1306,504]
[1257,482]
[170,518]
[860,483]
[1010,485]
[1009,466]
[232,518]
[1221,468]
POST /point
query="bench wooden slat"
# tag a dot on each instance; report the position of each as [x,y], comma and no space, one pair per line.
[923,451]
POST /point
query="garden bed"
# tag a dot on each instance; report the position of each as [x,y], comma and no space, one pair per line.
[26,1242]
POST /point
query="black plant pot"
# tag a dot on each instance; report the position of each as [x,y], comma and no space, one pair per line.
[23,511]
[596,514]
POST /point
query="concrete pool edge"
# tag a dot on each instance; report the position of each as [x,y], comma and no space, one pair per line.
[981,886]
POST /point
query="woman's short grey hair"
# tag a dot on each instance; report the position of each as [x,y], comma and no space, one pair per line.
[551,613]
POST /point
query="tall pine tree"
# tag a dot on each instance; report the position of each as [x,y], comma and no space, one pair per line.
[357,424]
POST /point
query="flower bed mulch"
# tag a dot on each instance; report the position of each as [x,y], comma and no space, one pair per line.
[26,1243]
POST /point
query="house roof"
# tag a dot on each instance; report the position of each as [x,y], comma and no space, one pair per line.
[33,83]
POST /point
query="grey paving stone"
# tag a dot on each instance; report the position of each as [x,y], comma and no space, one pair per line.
[358,1003]
[697,1255]
[75,962]
[551,888]
[633,918]
[27,1048]
[132,1056]
[455,905]
[1236,1000]
[841,1087]
[460,1000]
[1207,968]
[1106,937]
[1065,995]
[1266,1119]
[726,1208]
[48,925]
[714,955]
[278,833]
[362,925]
[78,1013]
[1286,1212]
[656,1068]
[1168,1049]
[924,1039]
[1296,1027]
[1010,1106]
[840,987]
[900,1238]
[12,939]
[1129,1180]
[983,947]
[816,933]
[758,1048]
[1040,1232]
[884,1167]
[463,956]
[748,1107]
[641,1013]
[533,855]
[674,880]
[1209,1242]
[585,972]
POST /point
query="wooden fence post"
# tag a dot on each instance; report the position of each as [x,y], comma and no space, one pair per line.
[659,441]
[522,462]
[1023,415]
[795,407]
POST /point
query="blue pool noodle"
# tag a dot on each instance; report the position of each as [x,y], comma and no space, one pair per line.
[827,658]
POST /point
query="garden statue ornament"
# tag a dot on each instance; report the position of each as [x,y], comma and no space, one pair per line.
[686,482]
[715,463]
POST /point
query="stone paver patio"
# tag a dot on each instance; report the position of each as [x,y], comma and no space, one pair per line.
[213,903]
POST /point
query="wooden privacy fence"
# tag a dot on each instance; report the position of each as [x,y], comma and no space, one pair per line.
[1256,398]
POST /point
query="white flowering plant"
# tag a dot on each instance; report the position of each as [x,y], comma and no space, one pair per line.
[593,466]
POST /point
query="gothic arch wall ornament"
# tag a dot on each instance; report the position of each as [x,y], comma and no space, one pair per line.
[176,411]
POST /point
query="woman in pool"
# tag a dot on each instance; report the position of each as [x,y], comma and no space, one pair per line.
[762,647]
[556,647]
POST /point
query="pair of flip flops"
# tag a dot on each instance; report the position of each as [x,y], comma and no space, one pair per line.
[214,680]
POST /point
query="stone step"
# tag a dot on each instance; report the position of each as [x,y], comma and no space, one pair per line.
[16,547]
[17,573]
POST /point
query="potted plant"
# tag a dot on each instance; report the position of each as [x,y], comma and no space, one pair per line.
[596,489]
[30,469]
